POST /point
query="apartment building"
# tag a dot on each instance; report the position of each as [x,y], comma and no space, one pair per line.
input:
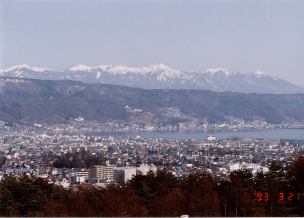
[103,172]
[78,172]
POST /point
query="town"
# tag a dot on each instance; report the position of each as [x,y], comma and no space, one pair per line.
[71,160]
[79,124]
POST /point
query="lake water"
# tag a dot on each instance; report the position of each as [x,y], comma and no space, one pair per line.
[294,134]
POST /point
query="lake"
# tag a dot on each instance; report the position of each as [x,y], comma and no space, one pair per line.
[294,134]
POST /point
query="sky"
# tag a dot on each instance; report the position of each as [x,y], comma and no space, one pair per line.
[243,36]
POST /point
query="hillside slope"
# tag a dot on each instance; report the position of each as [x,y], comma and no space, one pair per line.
[45,101]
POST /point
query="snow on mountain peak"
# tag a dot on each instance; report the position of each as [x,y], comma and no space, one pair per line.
[259,73]
[162,69]
[15,67]
[37,69]
[104,67]
[159,67]
[80,67]
[18,67]
[117,69]
[224,70]
[154,68]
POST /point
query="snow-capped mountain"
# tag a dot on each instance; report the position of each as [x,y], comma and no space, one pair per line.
[159,76]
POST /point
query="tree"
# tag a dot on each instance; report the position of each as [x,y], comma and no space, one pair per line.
[239,201]
[144,186]
[245,177]
[53,209]
[79,206]
[296,172]
[171,202]
[296,181]
[202,200]
[274,167]
[120,178]
[119,201]
[23,196]
[274,207]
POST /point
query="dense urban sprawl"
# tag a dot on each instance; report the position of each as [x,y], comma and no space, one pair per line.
[37,153]
[161,177]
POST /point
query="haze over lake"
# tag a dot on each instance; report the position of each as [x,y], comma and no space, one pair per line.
[293,134]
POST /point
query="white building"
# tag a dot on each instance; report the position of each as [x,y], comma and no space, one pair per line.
[123,174]
[211,138]
[1,175]
[78,172]
[100,182]
[64,183]
[77,179]
[253,168]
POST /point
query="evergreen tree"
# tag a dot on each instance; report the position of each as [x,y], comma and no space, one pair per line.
[23,196]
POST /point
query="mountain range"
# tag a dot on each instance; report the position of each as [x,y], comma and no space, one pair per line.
[161,77]
[29,101]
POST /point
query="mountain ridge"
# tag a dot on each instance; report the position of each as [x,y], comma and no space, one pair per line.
[160,76]
[58,101]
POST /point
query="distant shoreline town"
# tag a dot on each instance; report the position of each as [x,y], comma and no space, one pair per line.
[85,126]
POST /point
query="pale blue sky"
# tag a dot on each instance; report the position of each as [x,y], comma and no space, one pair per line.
[243,36]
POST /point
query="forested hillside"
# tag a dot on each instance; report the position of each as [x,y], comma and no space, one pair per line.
[30,101]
